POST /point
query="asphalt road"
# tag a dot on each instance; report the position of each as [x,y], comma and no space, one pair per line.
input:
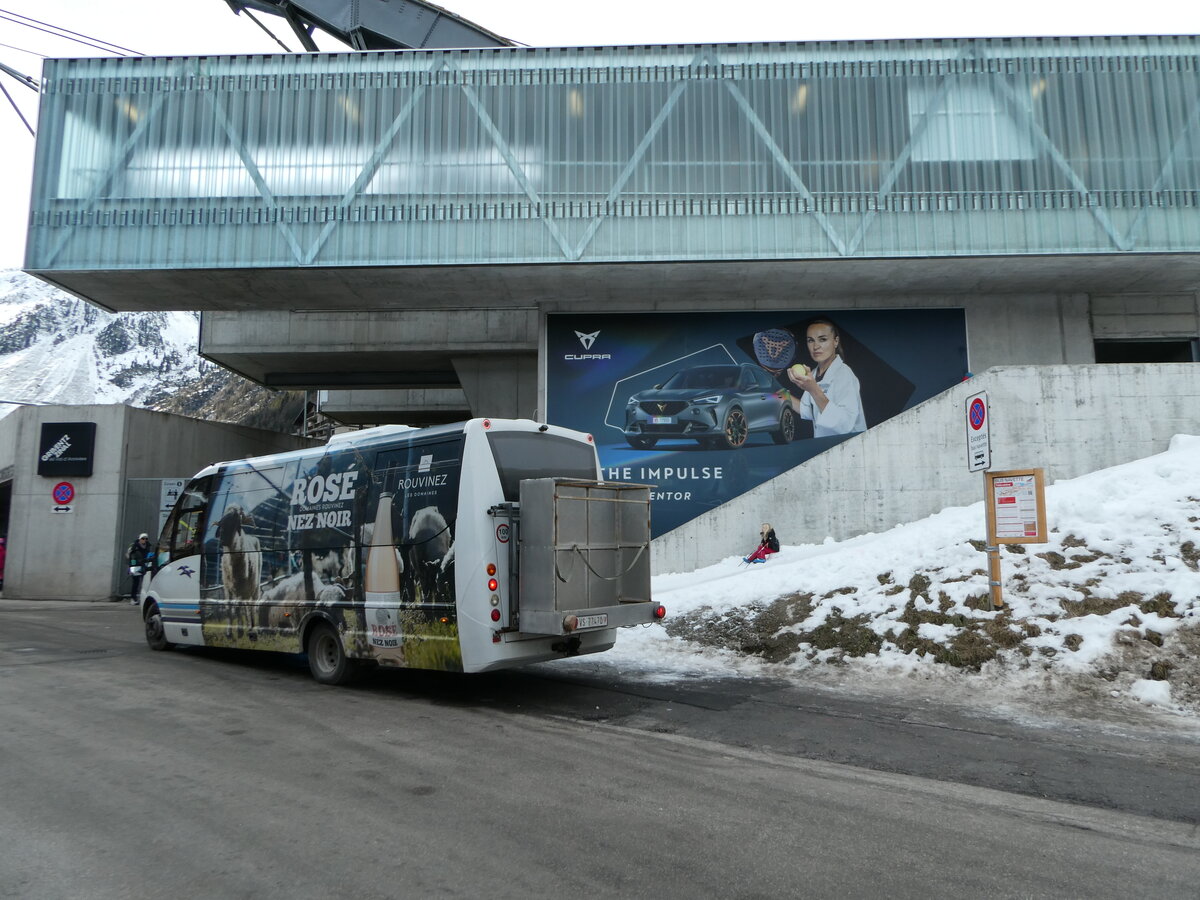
[128,773]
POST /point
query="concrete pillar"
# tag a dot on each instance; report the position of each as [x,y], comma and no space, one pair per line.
[500,385]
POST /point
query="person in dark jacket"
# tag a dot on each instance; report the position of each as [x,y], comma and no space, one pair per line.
[141,558]
[768,545]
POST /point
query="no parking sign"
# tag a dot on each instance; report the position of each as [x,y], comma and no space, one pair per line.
[979,440]
[63,494]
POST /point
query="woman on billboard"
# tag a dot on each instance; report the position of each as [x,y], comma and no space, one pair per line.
[830,397]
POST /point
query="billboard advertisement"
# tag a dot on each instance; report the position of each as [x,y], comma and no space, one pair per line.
[706,406]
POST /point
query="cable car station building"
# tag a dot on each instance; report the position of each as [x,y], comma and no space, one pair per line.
[545,233]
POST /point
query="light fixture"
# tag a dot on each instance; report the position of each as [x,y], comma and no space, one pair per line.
[799,99]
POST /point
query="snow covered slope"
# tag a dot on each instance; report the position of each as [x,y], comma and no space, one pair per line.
[1106,613]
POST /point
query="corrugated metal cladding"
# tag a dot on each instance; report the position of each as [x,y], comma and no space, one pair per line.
[771,151]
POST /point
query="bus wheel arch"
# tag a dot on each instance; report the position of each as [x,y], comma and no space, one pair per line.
[156,636]
[327,659]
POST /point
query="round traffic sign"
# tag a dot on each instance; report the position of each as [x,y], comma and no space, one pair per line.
[977,413]
[64,492]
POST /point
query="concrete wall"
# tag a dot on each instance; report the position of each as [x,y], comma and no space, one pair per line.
[1069,420]
[504,385]
[79,555]
[66,556]
[1146,316]
[364,407]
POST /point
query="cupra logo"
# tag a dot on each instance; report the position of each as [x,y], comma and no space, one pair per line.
[587,340]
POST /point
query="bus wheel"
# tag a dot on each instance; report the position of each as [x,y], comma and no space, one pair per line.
[327,658]
[155,636]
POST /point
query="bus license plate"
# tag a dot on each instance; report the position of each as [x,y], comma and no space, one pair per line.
[662,420]
[593,621]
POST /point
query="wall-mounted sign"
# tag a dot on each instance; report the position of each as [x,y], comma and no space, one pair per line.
[169,492]
[707,405]
[66,448]
[64,492]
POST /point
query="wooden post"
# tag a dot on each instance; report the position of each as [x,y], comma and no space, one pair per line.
[1021,495]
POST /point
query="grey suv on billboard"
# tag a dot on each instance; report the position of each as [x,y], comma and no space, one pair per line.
[719,406]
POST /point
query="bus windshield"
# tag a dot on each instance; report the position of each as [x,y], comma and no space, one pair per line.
[523,454]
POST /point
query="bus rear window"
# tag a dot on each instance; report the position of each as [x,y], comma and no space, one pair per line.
[526,454]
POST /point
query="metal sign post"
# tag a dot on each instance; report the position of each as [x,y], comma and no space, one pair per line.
[979,459]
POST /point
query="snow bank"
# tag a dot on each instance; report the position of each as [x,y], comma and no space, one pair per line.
[1114,592]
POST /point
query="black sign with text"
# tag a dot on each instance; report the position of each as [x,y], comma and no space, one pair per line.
[66,448]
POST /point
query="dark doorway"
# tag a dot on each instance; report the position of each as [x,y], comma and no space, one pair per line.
[1146,351]
[5,506]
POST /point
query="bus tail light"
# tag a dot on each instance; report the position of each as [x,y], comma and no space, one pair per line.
[495,615]
[493,585]
[660,612]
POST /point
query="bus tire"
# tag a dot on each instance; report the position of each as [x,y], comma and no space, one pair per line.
[155,635]
[327,658]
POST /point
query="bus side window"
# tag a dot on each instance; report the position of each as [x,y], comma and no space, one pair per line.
[182,535]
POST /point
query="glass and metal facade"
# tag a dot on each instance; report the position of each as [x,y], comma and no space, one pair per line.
[877,149]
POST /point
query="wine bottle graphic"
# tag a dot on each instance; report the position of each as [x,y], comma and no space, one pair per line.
[381,587]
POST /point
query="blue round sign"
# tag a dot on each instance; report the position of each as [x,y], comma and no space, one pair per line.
[64,492]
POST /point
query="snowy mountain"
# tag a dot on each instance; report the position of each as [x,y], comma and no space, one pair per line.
[55,348]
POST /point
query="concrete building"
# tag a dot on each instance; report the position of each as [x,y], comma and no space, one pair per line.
[401,229]
[67,531]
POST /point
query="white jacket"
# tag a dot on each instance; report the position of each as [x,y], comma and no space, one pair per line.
[843,414]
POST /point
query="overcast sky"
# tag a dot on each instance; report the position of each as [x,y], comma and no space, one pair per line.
[192,27]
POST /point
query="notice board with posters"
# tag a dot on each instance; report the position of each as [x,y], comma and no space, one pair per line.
[701,405]
[66,449]
[1016,506]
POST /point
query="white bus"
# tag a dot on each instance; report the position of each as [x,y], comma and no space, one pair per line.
[468,547]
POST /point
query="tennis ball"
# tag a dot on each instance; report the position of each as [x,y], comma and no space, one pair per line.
[799,370]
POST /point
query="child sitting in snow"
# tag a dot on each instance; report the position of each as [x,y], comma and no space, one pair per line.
[769,545]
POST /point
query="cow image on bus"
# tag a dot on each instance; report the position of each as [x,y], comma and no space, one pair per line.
[402,547]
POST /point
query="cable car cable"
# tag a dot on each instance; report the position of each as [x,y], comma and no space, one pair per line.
[65,33]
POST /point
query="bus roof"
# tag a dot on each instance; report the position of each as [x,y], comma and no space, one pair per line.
[382,434]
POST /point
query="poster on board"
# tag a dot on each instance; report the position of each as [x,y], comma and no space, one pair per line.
[706,406]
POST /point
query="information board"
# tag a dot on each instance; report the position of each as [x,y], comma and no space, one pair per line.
[168,493]
[1016,506]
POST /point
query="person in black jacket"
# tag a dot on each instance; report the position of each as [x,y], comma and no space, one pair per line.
[768,545]
[141,558]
